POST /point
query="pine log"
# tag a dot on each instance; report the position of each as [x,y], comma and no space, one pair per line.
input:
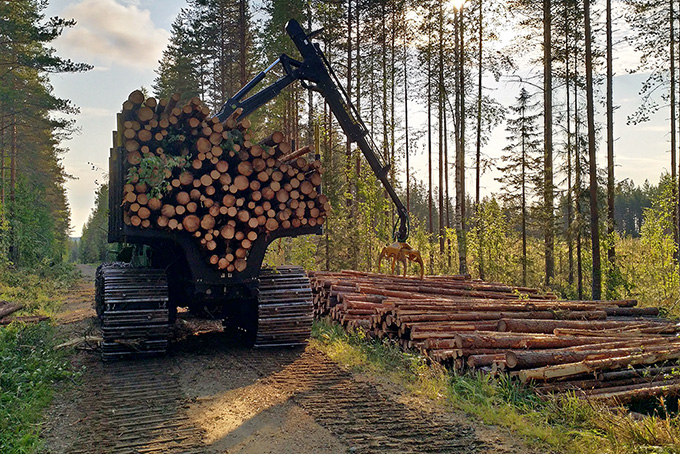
[296,154]
[477,361]
[590,366]
[626,394]
[274,139]
[645,372]
[191,223]
[136,98]
[491,339]
[154,204]
[7,308]
[490,315]
[144,213]
[539,358]
[24,319]
[548,326]
[207,222]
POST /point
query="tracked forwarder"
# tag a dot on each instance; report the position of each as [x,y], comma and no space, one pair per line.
[234,197]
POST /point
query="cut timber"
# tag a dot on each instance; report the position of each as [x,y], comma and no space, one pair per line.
[191,223]
[78,341]
[24,319]
[537,358]
[223,191]
[548,326]
[626,394]
[274,139]
[296,154]
[7,308]
[136,97]
[590,366]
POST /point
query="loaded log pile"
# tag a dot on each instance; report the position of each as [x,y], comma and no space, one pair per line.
[605,350]
[188,171]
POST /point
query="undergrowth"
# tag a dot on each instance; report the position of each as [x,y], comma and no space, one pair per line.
[29,365]
[563,424]
[40,290]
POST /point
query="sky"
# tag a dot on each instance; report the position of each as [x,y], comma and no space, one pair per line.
[124,39]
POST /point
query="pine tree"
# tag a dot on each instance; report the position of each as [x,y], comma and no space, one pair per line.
[33,196]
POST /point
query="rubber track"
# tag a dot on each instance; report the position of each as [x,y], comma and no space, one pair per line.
[138,407]
[360,415]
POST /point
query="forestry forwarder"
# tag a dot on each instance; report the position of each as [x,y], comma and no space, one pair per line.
[137,306]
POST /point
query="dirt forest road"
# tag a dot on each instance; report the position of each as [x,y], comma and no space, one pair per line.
[213,395]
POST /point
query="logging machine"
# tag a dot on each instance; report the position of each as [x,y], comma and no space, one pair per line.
[137,305]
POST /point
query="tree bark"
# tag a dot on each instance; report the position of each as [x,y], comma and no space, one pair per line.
[594,214]
[611,252]
[478,154]
[548,145]
[462,228]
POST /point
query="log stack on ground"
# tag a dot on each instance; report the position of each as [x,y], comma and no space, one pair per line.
[187,171]
[603,350]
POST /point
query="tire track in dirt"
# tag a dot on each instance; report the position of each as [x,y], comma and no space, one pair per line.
[213,395]
[134,407]
[359,414]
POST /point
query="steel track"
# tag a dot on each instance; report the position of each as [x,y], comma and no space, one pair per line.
[284,309]
[132,304]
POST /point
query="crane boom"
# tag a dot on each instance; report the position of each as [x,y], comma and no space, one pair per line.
[315,73]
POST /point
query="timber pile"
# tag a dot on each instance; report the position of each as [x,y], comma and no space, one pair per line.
[603,350]
[187,171]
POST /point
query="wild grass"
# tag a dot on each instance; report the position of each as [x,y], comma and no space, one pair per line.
[41,290]
[29,365]
[563,424]
[29,368]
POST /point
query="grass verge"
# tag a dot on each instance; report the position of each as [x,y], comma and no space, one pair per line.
[29,364]
[29,368]
[563,424]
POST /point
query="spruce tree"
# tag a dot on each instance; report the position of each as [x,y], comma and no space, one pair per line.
[521,178]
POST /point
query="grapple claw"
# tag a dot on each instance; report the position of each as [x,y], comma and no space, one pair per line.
[402,253]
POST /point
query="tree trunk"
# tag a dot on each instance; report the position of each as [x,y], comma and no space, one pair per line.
[357,14]
[408,166]
[547,137]
[570,190]
[478,153]
[242,46]
[2,164]
[348,145]
[446,178]
[524,211]
[673,81]
[13,162]
[577,182]
[462,246]
[611,253]
[440,108]
[594,214]
[429,140]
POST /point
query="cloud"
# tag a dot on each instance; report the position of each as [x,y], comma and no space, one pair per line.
[110,34]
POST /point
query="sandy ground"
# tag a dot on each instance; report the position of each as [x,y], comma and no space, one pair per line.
[211,394]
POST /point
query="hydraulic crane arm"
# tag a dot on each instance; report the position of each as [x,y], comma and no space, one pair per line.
[315,74]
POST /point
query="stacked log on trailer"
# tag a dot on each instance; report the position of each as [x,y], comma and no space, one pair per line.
[188,171]
[603,350]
